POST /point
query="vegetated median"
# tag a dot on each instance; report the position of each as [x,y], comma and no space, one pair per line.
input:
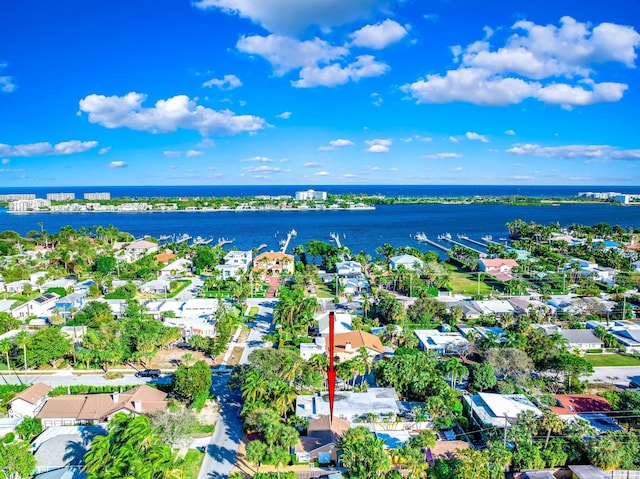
[602,360]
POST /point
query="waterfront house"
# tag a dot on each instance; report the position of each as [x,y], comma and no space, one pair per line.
[499,268]
[130,252]
[29,402]
[235,264]
[274,263]
[347,268]
[70,410]
[408,261]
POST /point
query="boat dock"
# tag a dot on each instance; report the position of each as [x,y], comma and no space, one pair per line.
[489,239]
[336,238]
[447,237]
[285,243]
[183,238]
[422,238]
[224,241]
[471,240]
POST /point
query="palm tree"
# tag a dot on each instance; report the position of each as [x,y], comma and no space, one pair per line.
[5,347]
[22,341]
[256,452]
[552,423]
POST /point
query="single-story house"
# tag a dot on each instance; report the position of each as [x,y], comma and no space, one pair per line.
[29,402]
[341,325]
[71,410]
[137,249]
[178,267]
[17,286]
[441,342]
[157,286]
[64,283]
[498,410]
[589,407]
[308,350]
[582,339]
[319,443]
[350,405]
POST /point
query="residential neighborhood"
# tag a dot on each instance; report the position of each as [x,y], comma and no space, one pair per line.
[441,366]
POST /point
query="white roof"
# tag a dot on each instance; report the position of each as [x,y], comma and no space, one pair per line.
[342,323]
[348,404]
[493,408]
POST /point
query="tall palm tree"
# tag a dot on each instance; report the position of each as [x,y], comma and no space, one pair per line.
[5,347]
[22,340]
[552,423]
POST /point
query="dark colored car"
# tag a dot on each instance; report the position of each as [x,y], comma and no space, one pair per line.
[148,373]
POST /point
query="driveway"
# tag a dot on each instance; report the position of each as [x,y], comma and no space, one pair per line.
[220,454]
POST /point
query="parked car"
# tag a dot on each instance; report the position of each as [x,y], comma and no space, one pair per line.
[148,373]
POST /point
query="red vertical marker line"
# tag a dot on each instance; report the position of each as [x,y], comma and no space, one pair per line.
[331,377]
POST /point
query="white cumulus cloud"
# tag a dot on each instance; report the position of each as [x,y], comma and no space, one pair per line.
[192,153]
[322,173]
[294,16]
[117,164]
[471,135]
[336,74]
[552,64]
[379,36]
[333,144]
[165,116]
[285,115]
[47,149]
[286,53]
[228,82]
[509,132]
[379,145]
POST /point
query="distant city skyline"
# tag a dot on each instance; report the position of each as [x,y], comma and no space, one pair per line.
[319,92]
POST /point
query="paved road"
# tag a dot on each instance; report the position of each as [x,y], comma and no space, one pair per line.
[620,376]
[221,452]
[223,447]
[263,325]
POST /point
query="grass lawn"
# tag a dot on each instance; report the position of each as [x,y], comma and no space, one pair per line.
[464,282]
[191,463]
[598,360]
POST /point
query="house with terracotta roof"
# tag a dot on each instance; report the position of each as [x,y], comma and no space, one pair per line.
[347,345]
[29,402]
[499,268]
[165,258]
[319,443]
[273,263]
[589,407]
[84,409]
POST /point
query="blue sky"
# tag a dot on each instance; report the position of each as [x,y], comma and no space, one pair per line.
[319,92]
